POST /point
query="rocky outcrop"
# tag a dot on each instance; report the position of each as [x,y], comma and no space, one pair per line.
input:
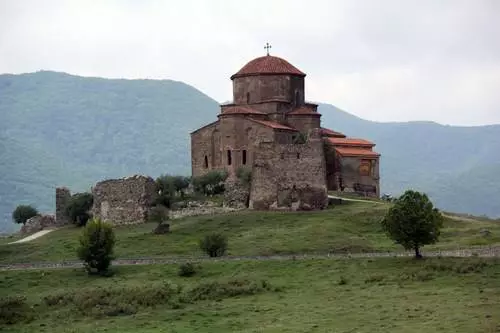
[38,223]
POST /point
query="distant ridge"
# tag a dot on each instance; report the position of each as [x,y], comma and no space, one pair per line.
[61,129]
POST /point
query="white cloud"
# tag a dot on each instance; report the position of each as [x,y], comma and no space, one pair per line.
[387,60]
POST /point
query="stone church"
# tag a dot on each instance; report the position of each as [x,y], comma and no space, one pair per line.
[271,129]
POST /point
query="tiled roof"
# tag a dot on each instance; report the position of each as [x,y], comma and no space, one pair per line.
[239,110]
[268,65]
[352,151]
[304,110]
[350,142]
[274,125]
[330,133]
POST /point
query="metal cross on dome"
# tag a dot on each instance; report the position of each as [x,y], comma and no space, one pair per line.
[267,47]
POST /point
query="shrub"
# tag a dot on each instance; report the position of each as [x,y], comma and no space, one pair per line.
[78,208]
[23,213]
[96,246]
[244,174]
[187,269]
[342,281]
[413,221]
[211,183]
[219,290]
[158,214]
[170,187]
[215,244]
[14,309]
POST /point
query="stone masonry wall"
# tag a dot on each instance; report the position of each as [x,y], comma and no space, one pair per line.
[288,176]
[124,201]
[63,195]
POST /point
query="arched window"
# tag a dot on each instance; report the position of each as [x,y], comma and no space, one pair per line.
[244,157]
[298,155]
[248,98]
[229,161]
[297,98]
[206,162]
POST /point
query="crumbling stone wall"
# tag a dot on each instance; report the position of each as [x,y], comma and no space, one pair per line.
[124,201]
[63,195]
[289,176]
[236,194]
[37,223]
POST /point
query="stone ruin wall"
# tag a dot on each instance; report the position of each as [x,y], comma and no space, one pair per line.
[289,176]
[63,195]
[124,201]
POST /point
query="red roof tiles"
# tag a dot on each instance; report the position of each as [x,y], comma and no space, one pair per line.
[352,151]
[274,125]
[350,142]
[239,110]
[330,133]
[268,65]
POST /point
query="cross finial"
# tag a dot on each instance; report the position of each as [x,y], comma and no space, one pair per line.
[267,47]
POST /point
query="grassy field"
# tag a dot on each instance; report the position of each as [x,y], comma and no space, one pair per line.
[353,227]
[382,295]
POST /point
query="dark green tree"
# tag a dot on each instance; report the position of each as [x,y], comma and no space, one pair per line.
[23,213]
[96,246]
[413,221]
[78,208]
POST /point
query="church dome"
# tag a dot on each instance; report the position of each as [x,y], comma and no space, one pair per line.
[268,65]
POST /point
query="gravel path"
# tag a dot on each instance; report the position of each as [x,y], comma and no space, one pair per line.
[484,252]
[34,236]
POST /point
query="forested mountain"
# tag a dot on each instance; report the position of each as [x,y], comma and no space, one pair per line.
[58,129]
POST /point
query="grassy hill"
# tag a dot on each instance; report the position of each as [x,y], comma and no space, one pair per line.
[348,228]
[345,295]
[58,129]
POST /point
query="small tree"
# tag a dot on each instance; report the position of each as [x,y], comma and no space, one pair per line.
[23,213]
[78,208]
[215,244]
[244,175]
[210,183]
[96,246]
[413,221]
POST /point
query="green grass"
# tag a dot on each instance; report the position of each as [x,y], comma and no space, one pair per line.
[382,295]
[353,227]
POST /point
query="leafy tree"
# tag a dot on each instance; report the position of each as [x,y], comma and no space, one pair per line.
[78,208]
[23,213]
[170,187]
[413,221]
[215,244]
[210,183]
[96,246]
[244,175]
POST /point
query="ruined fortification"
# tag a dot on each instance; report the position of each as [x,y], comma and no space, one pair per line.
[124,201]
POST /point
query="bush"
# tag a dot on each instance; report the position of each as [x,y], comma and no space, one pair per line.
[211,183]
[23,213]
[188,269]
[96,246]
[244,174]
[170,188]
[158,214]
[78,208]
[215,245]
[219,290]
[14,309]
[413,221]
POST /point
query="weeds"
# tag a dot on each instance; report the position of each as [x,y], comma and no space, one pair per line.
[14,309]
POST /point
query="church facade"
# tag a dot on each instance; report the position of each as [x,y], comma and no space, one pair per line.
[271,129]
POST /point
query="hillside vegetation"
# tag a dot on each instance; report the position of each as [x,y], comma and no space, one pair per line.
[361,295]
[348,228]
[58,129]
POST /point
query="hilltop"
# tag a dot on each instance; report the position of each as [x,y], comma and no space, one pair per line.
[58,129]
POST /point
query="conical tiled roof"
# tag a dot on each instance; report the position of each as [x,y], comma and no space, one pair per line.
[268,65]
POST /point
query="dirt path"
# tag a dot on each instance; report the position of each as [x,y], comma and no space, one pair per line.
[483,252]
[33,236]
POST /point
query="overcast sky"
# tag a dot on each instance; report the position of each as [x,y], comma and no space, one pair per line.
[384,60]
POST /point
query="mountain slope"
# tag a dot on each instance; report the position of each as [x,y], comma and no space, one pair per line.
[58,129]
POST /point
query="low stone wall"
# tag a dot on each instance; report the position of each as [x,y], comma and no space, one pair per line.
[124,201]
[38,223]
[196,208]
[236,195]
